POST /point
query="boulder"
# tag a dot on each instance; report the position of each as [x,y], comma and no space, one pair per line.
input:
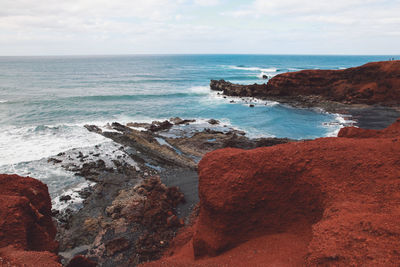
[27,231]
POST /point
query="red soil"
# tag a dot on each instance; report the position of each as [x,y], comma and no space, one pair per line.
[330,201]
[372,83]
[26,229]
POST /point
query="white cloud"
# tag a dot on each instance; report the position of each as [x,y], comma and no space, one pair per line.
[206,2]
[158,26]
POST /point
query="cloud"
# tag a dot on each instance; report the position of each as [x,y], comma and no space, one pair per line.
[163,26]
[206,2]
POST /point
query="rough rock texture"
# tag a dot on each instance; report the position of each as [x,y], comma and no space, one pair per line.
[26,228]
[353,132]
[331,201]
[372,83]
[80,261]
[231,89]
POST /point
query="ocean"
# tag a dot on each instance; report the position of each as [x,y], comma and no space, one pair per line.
[45,101]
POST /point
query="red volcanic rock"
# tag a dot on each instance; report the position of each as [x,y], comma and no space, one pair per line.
[25,222]
[353,132]
[331,201]
[10,256]
[372,83]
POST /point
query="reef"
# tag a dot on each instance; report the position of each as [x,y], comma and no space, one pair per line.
[330,201]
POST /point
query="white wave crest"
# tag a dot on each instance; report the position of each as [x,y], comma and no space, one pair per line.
[23,144]
[199,89]
[254,69]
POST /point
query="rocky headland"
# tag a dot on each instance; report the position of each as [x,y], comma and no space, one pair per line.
[369,93]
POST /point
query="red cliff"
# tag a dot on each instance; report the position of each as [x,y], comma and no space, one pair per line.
[372,83]
[330,201]
[26,229]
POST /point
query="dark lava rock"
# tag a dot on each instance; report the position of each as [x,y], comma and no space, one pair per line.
[213,122]
[121,128]
[81,261]
[231,89]
[54,160]
[65,198]
[93,128]
[159,126]
[178,121]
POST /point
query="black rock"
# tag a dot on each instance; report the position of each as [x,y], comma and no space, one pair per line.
[159,126]
[93,128]
[65,198]
[213,122]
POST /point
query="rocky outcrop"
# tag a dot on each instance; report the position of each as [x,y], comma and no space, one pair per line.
[27,231]
[330,202]
[231,89]
[372,83]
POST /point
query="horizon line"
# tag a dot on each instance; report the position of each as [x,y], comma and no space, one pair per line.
[194,54]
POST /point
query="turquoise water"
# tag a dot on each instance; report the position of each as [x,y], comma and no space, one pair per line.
[44,101]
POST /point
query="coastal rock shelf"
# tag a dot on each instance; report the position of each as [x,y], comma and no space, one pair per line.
[372,83]
[330,201]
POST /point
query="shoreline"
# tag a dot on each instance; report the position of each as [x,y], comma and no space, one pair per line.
[145,187]
[167,149]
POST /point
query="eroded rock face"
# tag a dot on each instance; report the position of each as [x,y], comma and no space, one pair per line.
[330,201]
[372,83]
[26,229]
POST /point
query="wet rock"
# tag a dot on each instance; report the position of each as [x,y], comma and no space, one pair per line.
[93,128]
[160,126]
[179,121]
[213,122]
[119,127]
[65,198]
[138,125]
[231,89]
[54,160]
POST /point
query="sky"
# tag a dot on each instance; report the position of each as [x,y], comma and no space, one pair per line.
[93,27]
